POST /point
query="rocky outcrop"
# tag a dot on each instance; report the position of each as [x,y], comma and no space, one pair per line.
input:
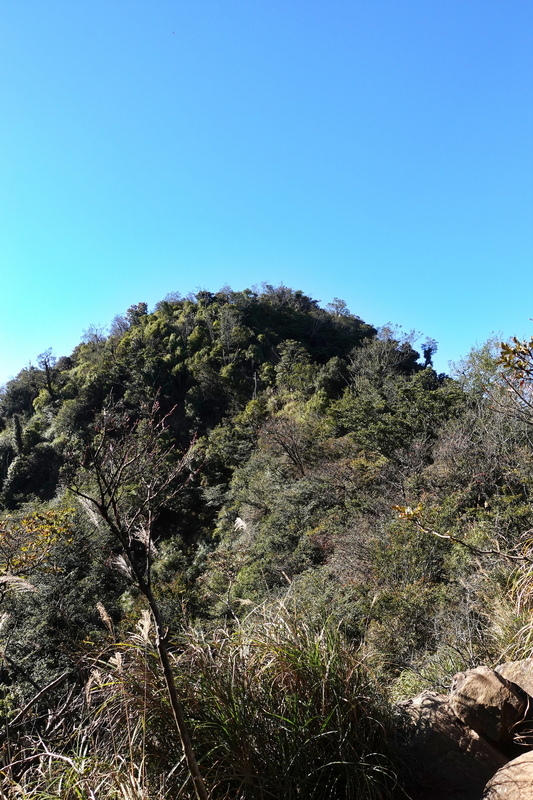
[470,744]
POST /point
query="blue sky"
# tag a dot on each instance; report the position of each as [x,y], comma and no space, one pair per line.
[373,150]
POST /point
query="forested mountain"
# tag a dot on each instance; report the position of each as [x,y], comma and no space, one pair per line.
[318,523]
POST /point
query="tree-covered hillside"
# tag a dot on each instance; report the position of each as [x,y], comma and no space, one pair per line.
[289,506]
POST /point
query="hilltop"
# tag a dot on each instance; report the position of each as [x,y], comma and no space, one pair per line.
[315,513]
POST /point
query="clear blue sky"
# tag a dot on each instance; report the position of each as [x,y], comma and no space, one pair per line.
[373,150]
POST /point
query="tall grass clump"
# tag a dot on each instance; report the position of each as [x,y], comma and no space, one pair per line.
[284,709]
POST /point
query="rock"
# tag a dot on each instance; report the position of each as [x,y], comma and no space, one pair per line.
[445,758]
[519,672]
[488,703]
[514,781]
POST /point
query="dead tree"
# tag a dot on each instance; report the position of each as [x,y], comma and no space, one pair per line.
[126,475]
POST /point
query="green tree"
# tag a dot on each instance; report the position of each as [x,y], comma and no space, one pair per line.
[47,362]
[516,358]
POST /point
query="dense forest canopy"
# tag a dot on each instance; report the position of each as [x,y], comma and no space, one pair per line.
[309,512]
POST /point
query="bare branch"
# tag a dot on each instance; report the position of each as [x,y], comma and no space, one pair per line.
[126,477]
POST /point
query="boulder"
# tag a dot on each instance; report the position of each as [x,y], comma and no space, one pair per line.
[488,703]
[445,759]
[514,781]
[519,672]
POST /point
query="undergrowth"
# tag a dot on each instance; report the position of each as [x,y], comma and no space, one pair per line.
[278,708]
